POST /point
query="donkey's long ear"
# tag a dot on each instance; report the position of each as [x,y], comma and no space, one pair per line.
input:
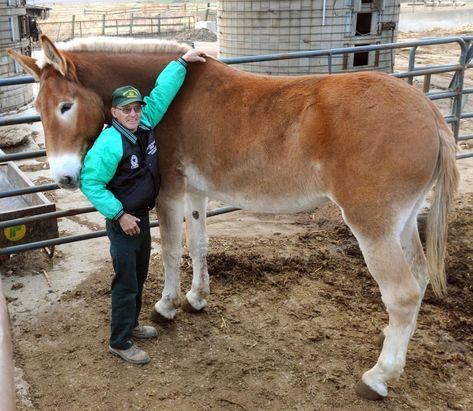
[28,63]
[53,55]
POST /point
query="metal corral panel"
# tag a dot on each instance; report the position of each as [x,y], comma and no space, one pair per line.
[22,206]
[13,34]
[254,27]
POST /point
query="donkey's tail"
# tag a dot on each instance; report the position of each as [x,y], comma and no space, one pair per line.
[446,177]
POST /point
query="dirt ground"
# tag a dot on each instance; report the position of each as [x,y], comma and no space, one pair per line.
[292,322]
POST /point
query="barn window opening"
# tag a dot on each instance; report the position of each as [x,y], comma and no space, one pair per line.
[363,24]
[23,26]
[361,58]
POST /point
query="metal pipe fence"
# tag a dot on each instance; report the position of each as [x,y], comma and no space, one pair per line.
[456,92]
[73,238]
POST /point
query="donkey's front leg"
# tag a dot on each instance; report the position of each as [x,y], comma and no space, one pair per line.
[171,214]
[197,242]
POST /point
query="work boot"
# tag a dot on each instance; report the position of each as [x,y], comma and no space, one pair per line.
[144,332]
[133,355]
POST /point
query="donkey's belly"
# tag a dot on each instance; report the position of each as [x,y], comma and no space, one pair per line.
[261,204]
[260,192]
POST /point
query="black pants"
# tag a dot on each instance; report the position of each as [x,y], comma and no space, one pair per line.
[130,257]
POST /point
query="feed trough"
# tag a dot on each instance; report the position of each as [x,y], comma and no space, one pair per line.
[11,177]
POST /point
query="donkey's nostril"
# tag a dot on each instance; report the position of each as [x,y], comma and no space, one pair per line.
[65,180]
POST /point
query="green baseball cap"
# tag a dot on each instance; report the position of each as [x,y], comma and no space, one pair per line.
[125,95]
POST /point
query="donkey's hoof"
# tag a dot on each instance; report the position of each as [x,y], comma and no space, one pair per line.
[188,308]
[159,318]
[364,391]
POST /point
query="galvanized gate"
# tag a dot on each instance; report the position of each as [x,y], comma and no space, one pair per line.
[455,92]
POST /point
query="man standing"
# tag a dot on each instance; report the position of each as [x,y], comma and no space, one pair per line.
[120,177]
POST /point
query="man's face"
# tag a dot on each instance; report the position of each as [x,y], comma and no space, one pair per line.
[128,116]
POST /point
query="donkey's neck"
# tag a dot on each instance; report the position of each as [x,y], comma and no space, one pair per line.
[103,73]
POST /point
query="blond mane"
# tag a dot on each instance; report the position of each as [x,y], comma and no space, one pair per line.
[117,45]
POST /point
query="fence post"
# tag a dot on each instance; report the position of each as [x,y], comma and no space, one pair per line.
[58,31]
[159,25]
[103,24]
[207,12]
[73,26]
[131,24]
[7,384]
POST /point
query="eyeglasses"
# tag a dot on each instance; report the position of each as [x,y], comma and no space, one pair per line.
[128,109]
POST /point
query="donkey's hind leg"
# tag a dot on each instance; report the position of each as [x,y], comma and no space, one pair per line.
[401,294]
[415,257]
[414,252]
[197,242]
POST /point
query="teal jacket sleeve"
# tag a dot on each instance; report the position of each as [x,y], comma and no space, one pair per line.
[100,165]
[165,89]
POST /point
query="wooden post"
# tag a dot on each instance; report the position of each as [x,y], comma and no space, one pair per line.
[131,24]
[116,25]
[207,12]
[73,26]
[159,25]
[103,24]
[7,382]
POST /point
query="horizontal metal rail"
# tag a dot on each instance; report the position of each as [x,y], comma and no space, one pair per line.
[19,120]
[46,216]
[429,70]
[465,155]
[465,137]
[22,156]
[438,95]
[70,239]
[28,190]
[14,81]
[345,50]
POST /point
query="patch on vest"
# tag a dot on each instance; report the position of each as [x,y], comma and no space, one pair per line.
[151,149]
[134,162]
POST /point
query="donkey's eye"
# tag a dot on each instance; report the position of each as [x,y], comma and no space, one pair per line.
[65,107]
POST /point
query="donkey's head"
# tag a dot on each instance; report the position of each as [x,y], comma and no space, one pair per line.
[72,115]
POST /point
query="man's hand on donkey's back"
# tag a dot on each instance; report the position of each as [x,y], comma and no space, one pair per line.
[194,55]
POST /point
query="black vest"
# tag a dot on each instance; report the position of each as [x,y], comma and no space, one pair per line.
[136,181]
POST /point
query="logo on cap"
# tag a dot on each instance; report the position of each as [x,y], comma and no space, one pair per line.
[130,93]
